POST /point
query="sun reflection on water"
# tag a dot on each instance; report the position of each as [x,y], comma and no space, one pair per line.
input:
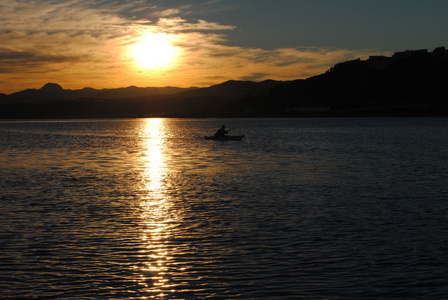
[155,209]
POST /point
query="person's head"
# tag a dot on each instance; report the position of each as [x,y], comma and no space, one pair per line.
[223,126]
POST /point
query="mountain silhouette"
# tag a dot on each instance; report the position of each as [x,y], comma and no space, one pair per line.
[51,88]
[410,83]
[54,92]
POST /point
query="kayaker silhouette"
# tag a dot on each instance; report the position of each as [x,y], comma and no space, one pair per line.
[221,132]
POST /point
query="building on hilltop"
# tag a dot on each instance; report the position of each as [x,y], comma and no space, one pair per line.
[440,52]
[378,62]
[410,53]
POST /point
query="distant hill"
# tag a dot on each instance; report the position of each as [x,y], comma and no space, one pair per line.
[233,88]
[410,83]
[52,101]
[53,91]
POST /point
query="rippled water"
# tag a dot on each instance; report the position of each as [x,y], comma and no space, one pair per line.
[301,208]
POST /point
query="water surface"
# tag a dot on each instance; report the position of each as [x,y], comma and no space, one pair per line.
[301,208]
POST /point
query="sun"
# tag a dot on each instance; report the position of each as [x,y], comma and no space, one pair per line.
[154,51]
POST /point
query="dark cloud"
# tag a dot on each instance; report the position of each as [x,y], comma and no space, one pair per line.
[26,61]
[14,55]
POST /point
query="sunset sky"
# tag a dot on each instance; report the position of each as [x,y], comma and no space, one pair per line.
[118,43]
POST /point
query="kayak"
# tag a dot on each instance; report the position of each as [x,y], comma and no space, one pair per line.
[226,138]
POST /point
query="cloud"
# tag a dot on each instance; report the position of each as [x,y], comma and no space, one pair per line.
[179,24]
[80,43]
[207,57]
[48,37]
[32,16]
[254,77]
[6,55]
[170,12]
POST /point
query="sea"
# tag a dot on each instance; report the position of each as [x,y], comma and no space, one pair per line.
[312,208]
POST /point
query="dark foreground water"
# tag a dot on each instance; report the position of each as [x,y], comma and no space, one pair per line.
[301,208]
